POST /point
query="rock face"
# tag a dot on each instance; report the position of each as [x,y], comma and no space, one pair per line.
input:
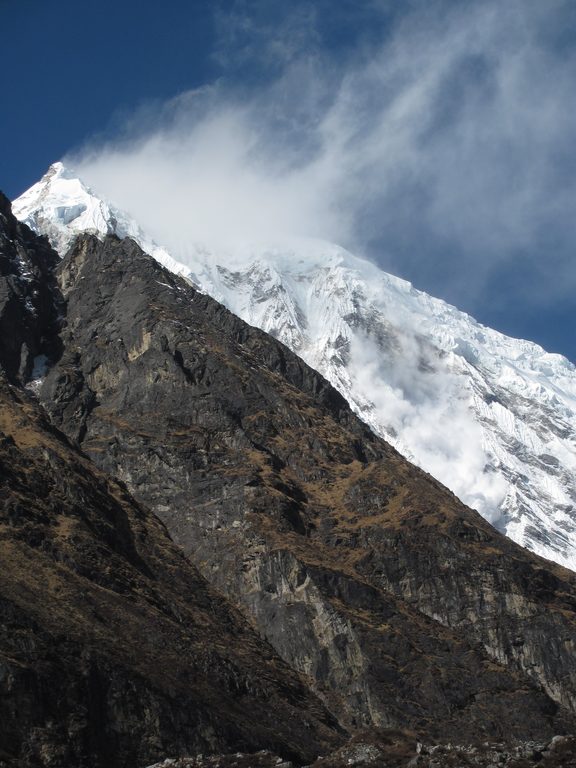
[418,371]
[29,311]
[402,606]
[114,650]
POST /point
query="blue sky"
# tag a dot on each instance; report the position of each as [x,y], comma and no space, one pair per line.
[73,70]
[438,138]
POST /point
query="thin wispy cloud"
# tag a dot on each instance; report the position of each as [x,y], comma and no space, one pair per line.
[444,148]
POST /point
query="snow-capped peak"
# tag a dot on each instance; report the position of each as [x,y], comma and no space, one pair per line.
[61,206]
[493,418]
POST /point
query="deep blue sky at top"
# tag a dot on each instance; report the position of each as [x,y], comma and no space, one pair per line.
[74,71]
[70,69]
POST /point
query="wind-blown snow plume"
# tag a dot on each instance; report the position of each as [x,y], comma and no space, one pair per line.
[444,150]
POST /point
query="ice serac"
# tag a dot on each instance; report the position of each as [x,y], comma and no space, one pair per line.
[491,417]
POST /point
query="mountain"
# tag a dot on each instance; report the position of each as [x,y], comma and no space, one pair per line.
[402,608]
[492,418]
[114,650]
[386,598]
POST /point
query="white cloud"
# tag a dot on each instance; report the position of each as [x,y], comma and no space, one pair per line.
[210,180]
[446,150]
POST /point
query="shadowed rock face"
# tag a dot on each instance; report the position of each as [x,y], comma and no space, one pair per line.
[29,307]
[402,606]
[114,650]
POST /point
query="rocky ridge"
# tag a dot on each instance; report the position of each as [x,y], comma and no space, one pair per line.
[114,650]
[29,303]
[398,605]
[401,606]
[407,363]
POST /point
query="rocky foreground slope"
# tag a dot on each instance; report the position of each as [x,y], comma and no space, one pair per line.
[397,605]
[397,749]
[418,371]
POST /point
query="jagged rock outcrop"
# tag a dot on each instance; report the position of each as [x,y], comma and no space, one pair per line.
[403,606]
[114,650]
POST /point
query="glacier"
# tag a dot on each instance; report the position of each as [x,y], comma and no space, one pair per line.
[492,417]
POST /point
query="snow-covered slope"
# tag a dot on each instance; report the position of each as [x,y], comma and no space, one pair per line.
[493,418]
[61,207]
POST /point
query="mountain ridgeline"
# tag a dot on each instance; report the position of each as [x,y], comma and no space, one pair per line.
[408,364]
[205,550]
[114,650]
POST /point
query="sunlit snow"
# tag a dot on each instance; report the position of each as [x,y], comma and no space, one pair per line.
[493,418]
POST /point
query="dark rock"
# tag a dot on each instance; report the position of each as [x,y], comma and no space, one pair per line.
[402,606]
[262,759]
[389,749]
[114,650]
[29,298]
